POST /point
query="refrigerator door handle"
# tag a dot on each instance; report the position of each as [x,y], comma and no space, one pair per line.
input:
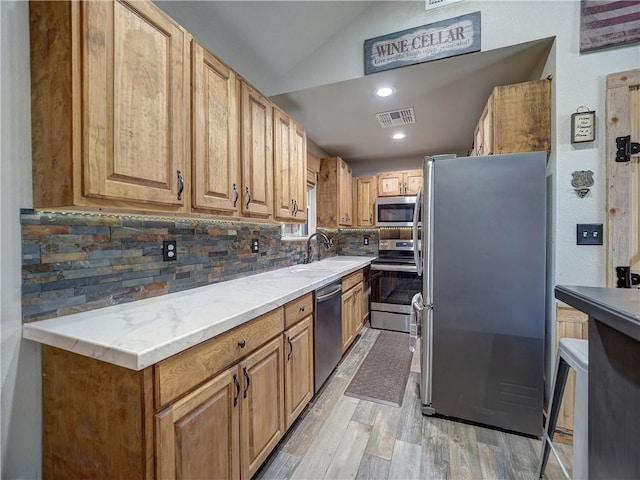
[417,248]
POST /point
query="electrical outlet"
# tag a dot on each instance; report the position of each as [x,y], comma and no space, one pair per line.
[365,241]
[589,234]
[255,245]
[169,250]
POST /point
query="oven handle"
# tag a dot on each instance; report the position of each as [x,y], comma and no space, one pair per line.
[394,268]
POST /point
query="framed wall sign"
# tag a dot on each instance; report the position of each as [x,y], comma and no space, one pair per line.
[583,126]
[443,39]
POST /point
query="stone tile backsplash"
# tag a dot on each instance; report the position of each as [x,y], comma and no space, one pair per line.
[74,262]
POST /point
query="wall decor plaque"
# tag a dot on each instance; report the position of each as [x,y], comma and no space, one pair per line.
[608,24]
[443,39]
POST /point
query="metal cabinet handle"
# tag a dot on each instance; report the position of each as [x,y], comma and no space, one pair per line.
[302,309]
[247,196]
[180,185]
[242,343]
[248,380]
[237,384]
[290,348]
[235,196]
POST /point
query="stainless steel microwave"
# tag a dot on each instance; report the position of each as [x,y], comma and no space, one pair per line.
[395,211]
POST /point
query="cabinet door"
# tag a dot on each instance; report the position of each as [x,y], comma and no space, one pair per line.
[298,351]
[366,197]
[487,128]
[345,202]
[216,163]
[198,435]
[348,312]
[570,323]
[521,117]
[356,321]
[262,406]
[257,153]
[284,172]
[413,181]
[390,184]
[135,88]
[300,169]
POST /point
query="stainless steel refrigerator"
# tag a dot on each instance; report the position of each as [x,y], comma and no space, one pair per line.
[482,222]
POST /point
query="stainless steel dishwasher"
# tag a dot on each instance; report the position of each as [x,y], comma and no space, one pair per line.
[327,331]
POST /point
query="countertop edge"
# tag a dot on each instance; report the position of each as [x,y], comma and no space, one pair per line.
[141,359]
[611,315]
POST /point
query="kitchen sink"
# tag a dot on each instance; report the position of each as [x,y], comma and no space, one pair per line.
[310,268]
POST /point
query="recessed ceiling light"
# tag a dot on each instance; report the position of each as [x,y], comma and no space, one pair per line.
[398,136]
[384,91]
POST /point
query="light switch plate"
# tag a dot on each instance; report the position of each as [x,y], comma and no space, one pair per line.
[589,234]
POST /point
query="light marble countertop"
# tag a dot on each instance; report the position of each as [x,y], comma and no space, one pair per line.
[138,334]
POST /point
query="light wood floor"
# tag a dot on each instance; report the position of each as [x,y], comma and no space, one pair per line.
[343,437]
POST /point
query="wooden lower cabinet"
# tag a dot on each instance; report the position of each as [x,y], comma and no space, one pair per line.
[227,427]
[570,323]
[199,435]
[351,314]
[298,364]
[212,411]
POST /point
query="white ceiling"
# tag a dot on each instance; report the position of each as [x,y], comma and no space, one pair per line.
[267,39]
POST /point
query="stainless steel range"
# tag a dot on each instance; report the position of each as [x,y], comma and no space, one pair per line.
[394,282]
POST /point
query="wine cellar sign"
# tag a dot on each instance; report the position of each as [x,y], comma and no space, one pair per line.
[443,39]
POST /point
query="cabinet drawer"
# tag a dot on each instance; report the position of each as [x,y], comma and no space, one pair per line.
[298,309]
[179,374]
[351,280]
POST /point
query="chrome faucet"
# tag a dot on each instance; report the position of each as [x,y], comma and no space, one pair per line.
[327,244]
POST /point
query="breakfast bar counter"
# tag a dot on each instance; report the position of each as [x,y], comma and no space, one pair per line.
[614,377]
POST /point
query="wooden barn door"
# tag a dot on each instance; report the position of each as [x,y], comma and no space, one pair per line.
[623,179]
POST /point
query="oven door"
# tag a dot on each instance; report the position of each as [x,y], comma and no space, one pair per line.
[392,289]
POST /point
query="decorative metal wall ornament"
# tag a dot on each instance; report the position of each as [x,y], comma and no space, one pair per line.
[581,181]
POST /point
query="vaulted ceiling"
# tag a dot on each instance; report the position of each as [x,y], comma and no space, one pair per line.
[263,40]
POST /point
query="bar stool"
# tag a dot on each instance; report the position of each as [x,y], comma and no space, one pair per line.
[573,353]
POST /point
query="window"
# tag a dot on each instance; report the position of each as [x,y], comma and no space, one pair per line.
[296,231]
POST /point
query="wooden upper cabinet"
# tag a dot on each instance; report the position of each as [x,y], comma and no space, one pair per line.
[110,83]
[257,153]
[300,162]
[290,167]
[334,193]
[345,194]
[215,134]
[366,188]
[393,184]
[413,181]
[516,118]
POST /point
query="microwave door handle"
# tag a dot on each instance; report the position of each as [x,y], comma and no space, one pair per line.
[417,251]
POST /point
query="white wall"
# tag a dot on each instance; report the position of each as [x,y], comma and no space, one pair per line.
[20,367]
[579,79]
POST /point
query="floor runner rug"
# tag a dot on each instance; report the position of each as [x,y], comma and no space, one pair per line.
[383,375]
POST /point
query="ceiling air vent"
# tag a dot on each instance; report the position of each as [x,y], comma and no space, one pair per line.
[429,4]
[395,118]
